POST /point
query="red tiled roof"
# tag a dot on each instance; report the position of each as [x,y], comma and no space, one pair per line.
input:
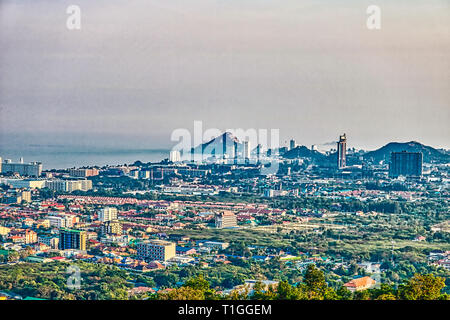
[360,282]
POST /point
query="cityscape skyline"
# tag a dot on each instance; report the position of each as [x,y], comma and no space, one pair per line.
[249,155]
[106,142]
[219,148]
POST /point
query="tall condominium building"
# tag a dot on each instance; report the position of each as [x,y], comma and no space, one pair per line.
[224,146]
[225,219]
[246,150]
[175,156]
[292,144]
[235,152]
[84,173]
[107,214]
[72,239]
[258,152]
[158,250]
[230,151]
[408,164]
[342,152]
[32,169]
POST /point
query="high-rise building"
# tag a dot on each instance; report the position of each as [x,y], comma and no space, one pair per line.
[230,151]
[342,152]
[235,151]
[258,152]
[72,239]
[292,144]
[224,145]
[107,214]
[246,150]
[408,164]
[225,219]
[174,156]
[32,169]
[158,250]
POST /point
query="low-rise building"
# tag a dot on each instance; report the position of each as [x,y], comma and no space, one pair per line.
[69,185]
[88,172]
[158,250]
[215,245]
[360,284]
[225,219]
[113,227]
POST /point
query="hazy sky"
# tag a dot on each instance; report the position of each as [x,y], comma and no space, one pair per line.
[138,69]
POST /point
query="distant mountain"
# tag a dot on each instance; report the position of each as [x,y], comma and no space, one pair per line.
[304,152]
[215,145]
[429,153]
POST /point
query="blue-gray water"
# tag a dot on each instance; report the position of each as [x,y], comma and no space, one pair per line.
[59,157]
[61,150]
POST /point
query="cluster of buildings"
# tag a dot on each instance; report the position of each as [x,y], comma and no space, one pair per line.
[136,233]
[32,169]
[17,196]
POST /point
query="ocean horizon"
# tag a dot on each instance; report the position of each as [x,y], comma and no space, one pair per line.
[62,157]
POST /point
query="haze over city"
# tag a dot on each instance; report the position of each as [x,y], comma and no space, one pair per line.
[134,73]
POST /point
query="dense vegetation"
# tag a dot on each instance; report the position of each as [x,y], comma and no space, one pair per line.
[98,282]
[49,281]
[312,287]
